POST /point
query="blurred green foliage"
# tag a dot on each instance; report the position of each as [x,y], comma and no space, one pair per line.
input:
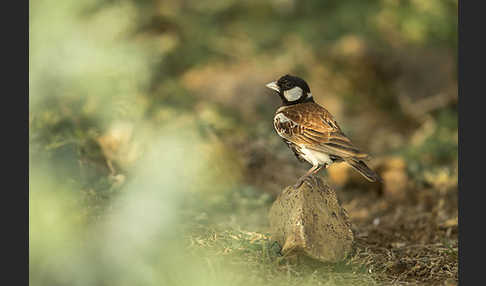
[149,123]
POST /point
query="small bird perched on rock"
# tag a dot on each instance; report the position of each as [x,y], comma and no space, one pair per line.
[311,132]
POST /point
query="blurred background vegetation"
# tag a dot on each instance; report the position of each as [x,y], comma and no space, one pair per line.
[153,158]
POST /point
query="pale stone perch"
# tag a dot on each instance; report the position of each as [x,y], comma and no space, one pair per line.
[310,221]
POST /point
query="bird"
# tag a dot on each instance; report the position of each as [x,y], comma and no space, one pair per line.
[311,131]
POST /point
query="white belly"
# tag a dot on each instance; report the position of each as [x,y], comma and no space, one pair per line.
[315,157]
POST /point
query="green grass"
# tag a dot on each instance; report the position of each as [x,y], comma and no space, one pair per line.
[192,208]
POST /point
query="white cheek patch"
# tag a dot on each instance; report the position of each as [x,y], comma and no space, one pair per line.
[293,94]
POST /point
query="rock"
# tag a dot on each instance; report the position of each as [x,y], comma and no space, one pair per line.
[310,221]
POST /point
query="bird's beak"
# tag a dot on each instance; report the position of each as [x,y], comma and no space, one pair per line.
[273,85]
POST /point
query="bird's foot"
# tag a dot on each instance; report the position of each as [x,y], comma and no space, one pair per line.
[301,180]
[298,184]
[308,175]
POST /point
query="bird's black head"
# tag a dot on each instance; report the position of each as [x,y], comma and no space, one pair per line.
[291,89]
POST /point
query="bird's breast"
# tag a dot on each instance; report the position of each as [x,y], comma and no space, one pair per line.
[315,157]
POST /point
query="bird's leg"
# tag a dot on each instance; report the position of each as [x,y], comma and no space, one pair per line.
[311,171]
[316,171]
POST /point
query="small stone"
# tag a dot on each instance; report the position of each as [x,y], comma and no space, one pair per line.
[376,221]
[310,221]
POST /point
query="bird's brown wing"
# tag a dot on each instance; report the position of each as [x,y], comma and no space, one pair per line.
[311,125]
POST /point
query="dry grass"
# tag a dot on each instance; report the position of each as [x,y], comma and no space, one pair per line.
[399,242]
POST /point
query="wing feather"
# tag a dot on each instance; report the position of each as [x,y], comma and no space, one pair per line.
[313,126]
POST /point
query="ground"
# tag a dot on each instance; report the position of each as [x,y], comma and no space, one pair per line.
[153,159]
[403,242]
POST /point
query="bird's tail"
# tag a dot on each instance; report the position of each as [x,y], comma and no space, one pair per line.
[364,170]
